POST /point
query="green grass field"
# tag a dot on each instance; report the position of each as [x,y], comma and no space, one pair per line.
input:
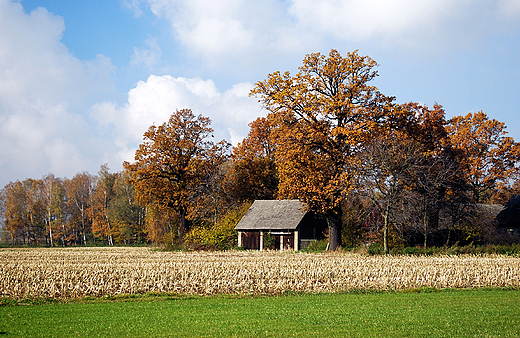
[468,313]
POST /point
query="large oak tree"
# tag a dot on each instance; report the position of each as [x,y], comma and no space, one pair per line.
[172,162]
[325,113]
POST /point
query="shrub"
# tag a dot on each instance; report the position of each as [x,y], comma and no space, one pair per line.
[269,241]
[375,249]
[317,246]
[220,236]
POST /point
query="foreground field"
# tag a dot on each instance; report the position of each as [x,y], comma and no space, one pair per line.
[80,272]
[474,313]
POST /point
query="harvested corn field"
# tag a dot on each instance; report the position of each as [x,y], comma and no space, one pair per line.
[79,272]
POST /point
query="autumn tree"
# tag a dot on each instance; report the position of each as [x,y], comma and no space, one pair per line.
[80,190]
[57,212]
[24,210]
[127,215]
[490,157]
[15,210]
[172,162]
[253,174]
[389,164]
[101,199]
[325,113]
[52,199]
[437,178]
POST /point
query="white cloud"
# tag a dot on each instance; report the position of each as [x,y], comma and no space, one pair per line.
[230,31]
[364,19]
[227,31]
[134,5]
[153,101]
[42,89]
[212,28]
[216,37]
[149,57]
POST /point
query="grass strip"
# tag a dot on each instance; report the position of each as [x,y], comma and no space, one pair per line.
[483,313]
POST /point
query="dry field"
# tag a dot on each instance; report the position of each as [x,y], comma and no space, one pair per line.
[79,272]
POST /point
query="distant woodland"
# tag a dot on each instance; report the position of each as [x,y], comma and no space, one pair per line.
[375,170]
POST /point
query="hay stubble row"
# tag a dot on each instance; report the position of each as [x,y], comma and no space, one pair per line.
[80,272]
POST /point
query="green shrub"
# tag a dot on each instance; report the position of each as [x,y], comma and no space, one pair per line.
[375,249]
[470,249]
[317,246]
[269,241]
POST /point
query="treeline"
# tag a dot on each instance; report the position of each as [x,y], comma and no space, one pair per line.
[377,171]
[103,209]
[82,210]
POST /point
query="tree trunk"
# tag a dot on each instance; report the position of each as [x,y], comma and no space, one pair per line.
[385,228]
[425,224]
[182,224]
[334,231]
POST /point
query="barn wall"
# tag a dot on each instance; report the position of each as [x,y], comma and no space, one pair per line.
[251,240]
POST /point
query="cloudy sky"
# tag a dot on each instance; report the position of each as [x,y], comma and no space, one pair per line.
[81,81]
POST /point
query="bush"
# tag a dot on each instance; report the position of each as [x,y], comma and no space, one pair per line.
[470,249]
[220,236]
[317,246]
[375,249]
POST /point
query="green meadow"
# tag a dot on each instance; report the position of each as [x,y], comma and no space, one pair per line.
[451,313]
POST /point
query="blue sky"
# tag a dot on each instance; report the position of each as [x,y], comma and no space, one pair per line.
[80,82]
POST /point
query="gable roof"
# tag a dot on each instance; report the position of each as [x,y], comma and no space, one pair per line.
[273,215]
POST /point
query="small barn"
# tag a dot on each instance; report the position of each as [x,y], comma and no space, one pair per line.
[279,225]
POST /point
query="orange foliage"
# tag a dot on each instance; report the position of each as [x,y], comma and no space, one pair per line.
[253,174]
[490,157]
[173,161]
[323,115]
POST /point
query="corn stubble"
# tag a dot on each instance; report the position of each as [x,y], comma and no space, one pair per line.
[80,272]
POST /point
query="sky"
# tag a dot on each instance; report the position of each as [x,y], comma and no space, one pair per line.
[81,81]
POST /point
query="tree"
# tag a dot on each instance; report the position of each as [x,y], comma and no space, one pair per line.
[101,199]
[15,209]
[490,158]
[389,163]
[437,178]
[324,114]
[79,199]
[125,212]
[253,174]
[50,189]
[24,210]
[172,162]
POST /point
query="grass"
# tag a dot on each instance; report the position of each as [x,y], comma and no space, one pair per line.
[469,313]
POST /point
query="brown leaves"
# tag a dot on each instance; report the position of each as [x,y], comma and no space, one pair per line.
[174,159]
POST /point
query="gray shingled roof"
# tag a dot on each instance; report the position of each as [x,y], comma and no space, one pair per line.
[272,215]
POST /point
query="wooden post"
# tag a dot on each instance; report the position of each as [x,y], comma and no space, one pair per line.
[261,241]
[281,242]
[240,238]
[296,241]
